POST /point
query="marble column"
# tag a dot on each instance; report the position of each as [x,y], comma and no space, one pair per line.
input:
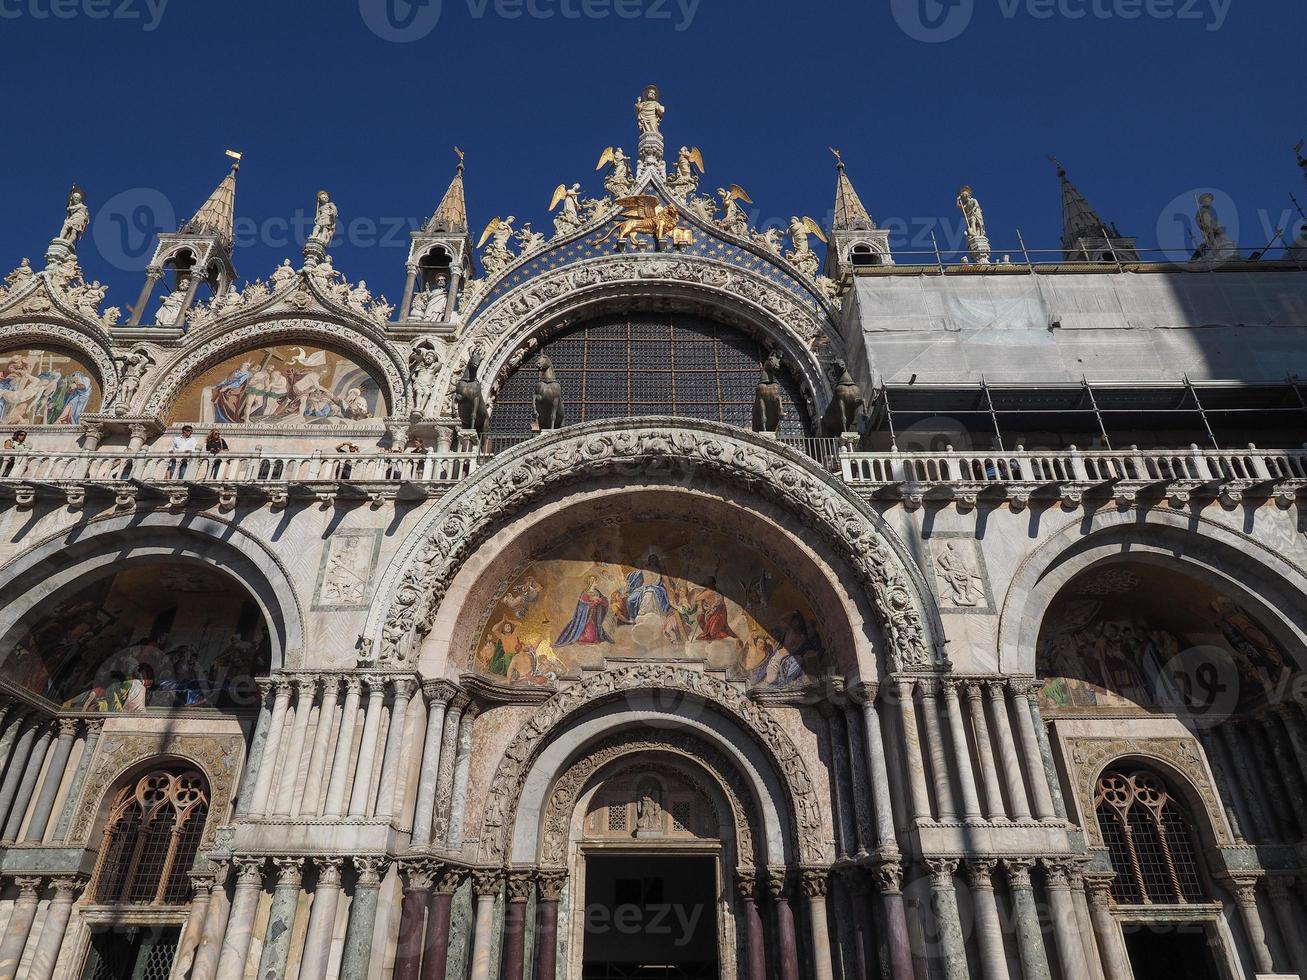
[445,775]
[944,906]
[215,924]
[961,752]
[390,792]
[22,751]
[360,797]
[1007,750]
[1288,918]
[918,794]
[11,720]
[994,808]
[520,886]
[306,692]
[254,761]
[417,877]
[1043,799]
[90,740]
[755,941]
[897,941]
[322,919]
[356,963]
[861,778]
[429,771]
[938,756]
[988,925]
[1084,919]
[486,886]
[271,751]
[1032,693]
[841,785]
[1066,926]
[27,785]
[51,941]
[1111,943]
[787,949]
[281,917]
[815,884]
[188,943]
[435,956]
[244,903]
[462,769]
[1244,889]
[311,801]
[1030,939]
[54,777]
[337,785]
[878,774]
[20,925]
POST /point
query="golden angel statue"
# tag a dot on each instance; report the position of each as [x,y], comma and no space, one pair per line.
[684,180]
[497,255]
[568,219]
[644,215]
[802,256]
[618,182]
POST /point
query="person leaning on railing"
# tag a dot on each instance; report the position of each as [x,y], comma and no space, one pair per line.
[215,445]
[15,446]
[185,444]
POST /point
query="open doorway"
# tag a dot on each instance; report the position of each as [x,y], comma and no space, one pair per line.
[1171,950]
[649,917]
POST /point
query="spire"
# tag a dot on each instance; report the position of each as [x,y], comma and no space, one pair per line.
[451,215]
[218,214]
[850,215]
[1080,222]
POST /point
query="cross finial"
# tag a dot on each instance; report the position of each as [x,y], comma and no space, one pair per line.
[461,156]
[839,158]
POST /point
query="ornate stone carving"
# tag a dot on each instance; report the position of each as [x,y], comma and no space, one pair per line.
[506,786]
[418,875]
[370,870]
[486,881]
[941,870]
[520,884]
[551,882]
[498,491]
[1018,872]
[449,878]
[328,871]
[815,882]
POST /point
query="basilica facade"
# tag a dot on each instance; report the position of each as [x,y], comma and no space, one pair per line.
[663,597]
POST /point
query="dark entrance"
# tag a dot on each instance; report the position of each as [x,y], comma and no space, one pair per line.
[132,953]
[650,918]
[1170,950]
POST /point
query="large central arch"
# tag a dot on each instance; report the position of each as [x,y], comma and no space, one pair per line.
[657,449]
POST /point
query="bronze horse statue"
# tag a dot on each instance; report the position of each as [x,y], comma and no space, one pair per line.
[842,413]
[548,397]
[470,399]
[767,399]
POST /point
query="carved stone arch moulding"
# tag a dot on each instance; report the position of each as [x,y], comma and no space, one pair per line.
[1091,756]
[702,763]
[503,329]
[661,448]
[506,785]
[219,341]
[93,345]
[217,756]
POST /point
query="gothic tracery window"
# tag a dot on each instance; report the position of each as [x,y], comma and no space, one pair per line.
[1148,840]
[151,838]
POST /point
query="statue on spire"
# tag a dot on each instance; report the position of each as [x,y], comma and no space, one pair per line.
[649,117]
[977,234]
[324,229]
[77,219]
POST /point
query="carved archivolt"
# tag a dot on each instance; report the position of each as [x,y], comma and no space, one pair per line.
[506,786]
[702,756]
[219,342]
[1091,756]
[670,447]
[92,346]
[217,756]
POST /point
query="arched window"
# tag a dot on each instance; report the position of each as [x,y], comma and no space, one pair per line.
[1148,840]
[153,832]
[862,254]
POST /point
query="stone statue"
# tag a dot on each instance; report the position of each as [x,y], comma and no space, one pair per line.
[802,256]
[568,219]
[649,810]
[548,397]
[87,298]
[1216,242]
[283,274]
[529,241]
[957,573]
[977,236]
[132,367]
[19,275]
[767,399]
[170,310]
[430,304]
[649,112]
[842,415]
[684,181]
[771,240]
[469,397]
[77,220]
[734,220]
[360,297]
[423,371]
[618,181]
[324,221]
[497,256]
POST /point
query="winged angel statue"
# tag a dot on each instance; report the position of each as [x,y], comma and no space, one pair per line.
[644,214]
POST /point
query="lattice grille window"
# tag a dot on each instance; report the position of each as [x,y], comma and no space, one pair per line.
[616,816]
[150,840]
[682,814]
[1148,840]
[648,365]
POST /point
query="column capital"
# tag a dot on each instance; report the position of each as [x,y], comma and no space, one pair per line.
[1026,687]
[403,687]
[941,869]
[92,726]
[521,882]
[889,877]
[68,727]
[328,871]
[283,688]
[67,887]
[815,882]
[950,686]
[485,881]
[551,884]
[778,882]
[1099,887]
[746,883]
[1018,872]
[249,871]
[353,685]
[927,687]
[29,886]
[1057,872]
[865,692]
[980,872]
[290,871]
[997,688]
[419,875]
[1244,889]
[370,869]
[439,692]
[974,690]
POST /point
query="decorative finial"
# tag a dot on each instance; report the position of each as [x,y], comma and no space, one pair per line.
[1061,170]
[839,159]
[461,157]
[236,159]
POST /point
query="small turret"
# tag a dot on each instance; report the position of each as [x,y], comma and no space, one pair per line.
[1085,236]
[854,238]
[439,258]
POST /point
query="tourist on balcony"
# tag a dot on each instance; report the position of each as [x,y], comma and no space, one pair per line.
[16,444]
[184,443]
[346,466]
[215,445]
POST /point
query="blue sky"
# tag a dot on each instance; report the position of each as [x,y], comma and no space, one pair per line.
[1145,101]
